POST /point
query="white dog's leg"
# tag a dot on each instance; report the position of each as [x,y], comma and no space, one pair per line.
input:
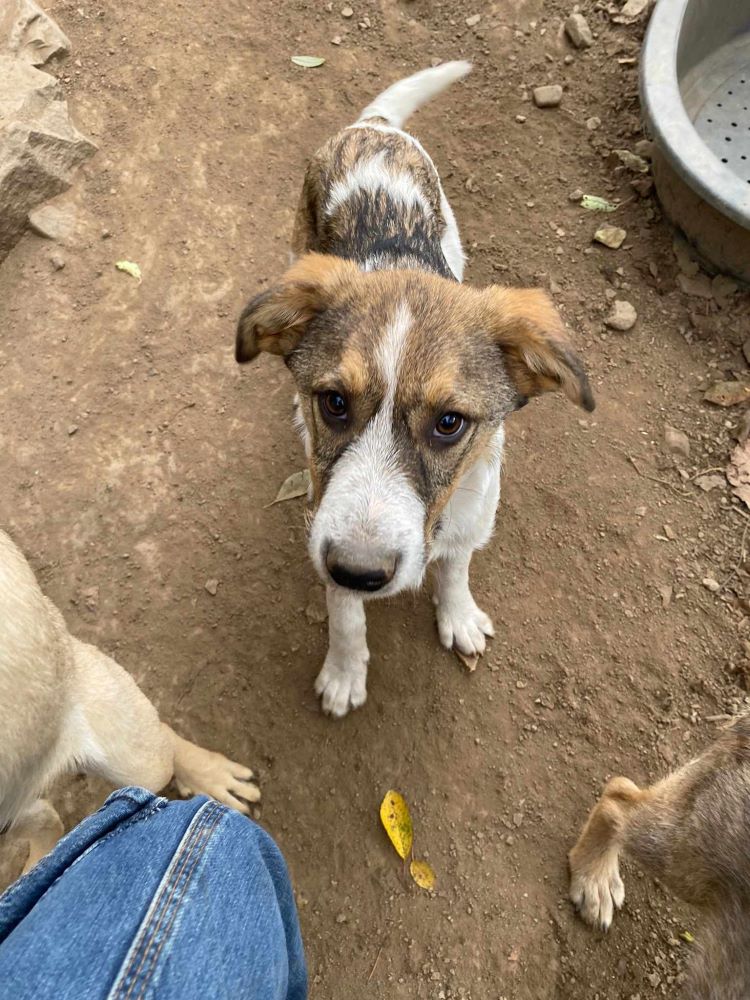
[41,826]
[342,683]
[460,622]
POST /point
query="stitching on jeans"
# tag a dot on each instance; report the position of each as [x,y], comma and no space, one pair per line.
[154,933]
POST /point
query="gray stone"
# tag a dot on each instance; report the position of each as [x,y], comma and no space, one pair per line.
[40,147]
[29,34]
[676,441]
[548,96]
[622,317]
[578,31]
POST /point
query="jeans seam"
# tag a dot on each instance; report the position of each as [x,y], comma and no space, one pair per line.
[154,933]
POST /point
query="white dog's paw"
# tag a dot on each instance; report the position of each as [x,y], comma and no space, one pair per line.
[342,685]
[464,626]
[203,772]
[596,895]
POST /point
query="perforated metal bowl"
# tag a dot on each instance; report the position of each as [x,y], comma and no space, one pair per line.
[695,90]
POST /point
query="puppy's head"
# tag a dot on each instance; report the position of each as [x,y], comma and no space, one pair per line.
[404,380]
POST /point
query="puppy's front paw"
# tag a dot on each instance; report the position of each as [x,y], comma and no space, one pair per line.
[597,893]
[342,684]
[464,625]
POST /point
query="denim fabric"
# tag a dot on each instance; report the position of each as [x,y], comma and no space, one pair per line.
[154,899]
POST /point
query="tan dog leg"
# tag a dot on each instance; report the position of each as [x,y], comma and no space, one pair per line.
[595,884]
[42,827]
[118,734]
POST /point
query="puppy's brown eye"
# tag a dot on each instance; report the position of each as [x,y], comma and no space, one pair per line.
[449,427]
[333,406]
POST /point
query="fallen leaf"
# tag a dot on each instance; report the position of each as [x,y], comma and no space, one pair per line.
[595,204]
[293,486]
[738,472]
[610,236]
[687,936]
[422,874]
[396,818]
[708,483]
[470,662]
[309,62]
[727,393]
[129,268]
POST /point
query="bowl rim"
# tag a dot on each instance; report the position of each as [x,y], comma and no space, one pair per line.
[670,125]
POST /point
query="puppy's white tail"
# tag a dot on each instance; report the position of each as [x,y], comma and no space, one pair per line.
[401,100]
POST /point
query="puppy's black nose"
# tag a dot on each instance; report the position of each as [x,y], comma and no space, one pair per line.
[357,577]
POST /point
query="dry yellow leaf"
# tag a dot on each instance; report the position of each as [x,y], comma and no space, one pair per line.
[396,818]
[422,874]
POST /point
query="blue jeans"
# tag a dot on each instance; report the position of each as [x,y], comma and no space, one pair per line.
[154,899]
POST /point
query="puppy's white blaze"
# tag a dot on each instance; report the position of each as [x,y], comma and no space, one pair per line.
[370,510]
[372,176]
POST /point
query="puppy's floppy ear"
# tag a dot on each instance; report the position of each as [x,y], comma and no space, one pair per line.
[538,353]
[276,320]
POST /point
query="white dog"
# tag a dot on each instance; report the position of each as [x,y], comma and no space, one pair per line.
[404,379]
[65,706]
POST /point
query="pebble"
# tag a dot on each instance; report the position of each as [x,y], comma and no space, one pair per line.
[676,441]
[520,119]
[710,584]
[57,261]
[211,586]
[548,96]
[610,236]
[699,285]
[622,317]
[72,430]
[474,20]
[630,160]
[576,195]
[347,12]
[592,124]
[578,31]
[336,40]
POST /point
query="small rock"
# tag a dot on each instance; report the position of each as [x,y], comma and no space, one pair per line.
[548,96]
[341,918]
[698,286]
[727,393]
[665,592]
[91,598]
[643,186]
[593,123]
[57,261]
[632,10]
[211,586]
[520,119]
[676,441]
[336,40]
[630,160]
[578,31]
[517,819]
[708,483]
[576,195]
[710,584]
[723,290]
[622,317]
[654,978]
[473,21]
[645,148]
[670,532]
[72,429]
[610,236]
[347,12]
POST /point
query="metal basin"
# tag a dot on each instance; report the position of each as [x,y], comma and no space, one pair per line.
[695,91]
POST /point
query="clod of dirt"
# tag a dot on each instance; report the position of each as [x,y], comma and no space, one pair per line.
[473,21]
[645,149]
[727,393]
[677,442]
[622,317]
[548,96]
[211,586]
[610,236]
[578,31]
[698,286]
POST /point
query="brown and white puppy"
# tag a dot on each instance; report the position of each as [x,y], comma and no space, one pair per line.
[404,379]
[691,831]
[65,707]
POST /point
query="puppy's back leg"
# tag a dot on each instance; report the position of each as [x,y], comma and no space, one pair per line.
[41,826]
[116,732]
[595,884]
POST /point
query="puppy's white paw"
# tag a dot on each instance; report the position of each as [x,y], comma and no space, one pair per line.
[203,772]
[464,625]
[342,685]
[596,895]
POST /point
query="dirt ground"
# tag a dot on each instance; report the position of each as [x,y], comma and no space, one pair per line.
[137,460]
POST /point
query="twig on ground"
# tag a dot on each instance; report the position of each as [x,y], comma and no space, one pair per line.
[377,959]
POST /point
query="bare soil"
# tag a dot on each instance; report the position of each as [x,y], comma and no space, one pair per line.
[137,460]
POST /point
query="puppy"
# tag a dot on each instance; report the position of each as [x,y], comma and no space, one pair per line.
[65,706]
[692,831]
[404,379]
